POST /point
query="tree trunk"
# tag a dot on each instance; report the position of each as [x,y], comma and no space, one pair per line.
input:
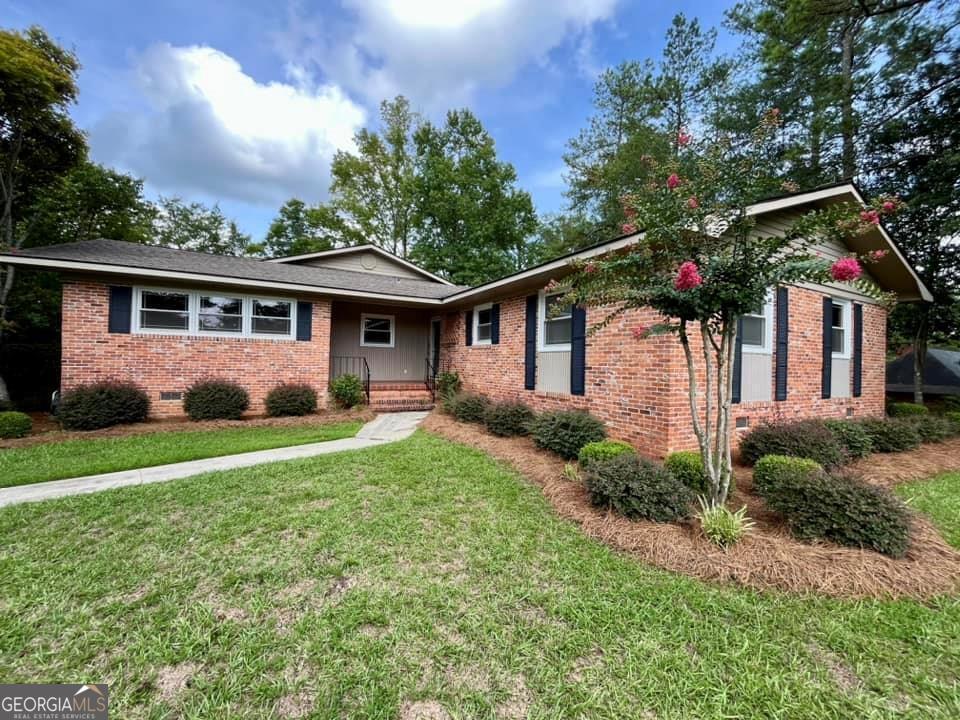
[847,122]
[920,339]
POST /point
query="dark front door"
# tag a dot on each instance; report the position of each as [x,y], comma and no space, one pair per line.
[435,344]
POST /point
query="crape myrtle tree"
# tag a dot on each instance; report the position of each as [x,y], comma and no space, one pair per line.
[702,264]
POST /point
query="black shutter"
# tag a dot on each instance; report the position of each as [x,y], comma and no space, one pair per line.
[737,363]
[530,345]
[468,321]
[304,320]
[857,350]
[121,306]
[578,351]
[827,369]
[495,324]
[783,343]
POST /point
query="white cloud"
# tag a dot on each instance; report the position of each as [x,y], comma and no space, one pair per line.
[438,52]
[209,127]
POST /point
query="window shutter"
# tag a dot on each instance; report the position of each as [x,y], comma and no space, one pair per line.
[783,343]
[737,369]
[578,351]
[468,321]
[530,345]
[857,350]
[495,324]
[121,308]
[304,321]
[827,347]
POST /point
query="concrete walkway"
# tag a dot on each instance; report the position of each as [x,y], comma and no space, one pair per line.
[383,429]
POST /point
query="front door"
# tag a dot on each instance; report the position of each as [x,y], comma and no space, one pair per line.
[435,329]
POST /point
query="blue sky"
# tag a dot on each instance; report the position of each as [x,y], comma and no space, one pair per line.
[244,102]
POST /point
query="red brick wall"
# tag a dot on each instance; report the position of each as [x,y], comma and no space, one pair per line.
[172,362]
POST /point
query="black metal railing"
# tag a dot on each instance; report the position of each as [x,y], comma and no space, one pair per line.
[431,379]
[351,365]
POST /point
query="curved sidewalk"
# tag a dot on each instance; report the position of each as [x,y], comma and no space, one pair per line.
[381,430]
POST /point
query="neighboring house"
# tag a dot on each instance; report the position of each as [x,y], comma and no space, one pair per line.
[164,318]
[941,373]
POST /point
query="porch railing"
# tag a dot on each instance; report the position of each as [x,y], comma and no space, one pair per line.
[351,365]
[431,379]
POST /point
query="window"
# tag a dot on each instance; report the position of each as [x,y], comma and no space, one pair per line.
[220,314]
[483,324]
[271,317]
[840,322]
[376,330]
[757,329]
[182,312]
[164,310]
[556,323]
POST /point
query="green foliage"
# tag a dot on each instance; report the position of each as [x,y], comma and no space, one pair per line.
[215,400]
[291,399]
[102,404]
[299,229]
[508,418]
[469,408]
[448,384]
[638,489]
[687,467]
[891,436]
[803,438]
[602,450]
[951,403]
[565,432]
[953,417]
[193,226]
[347,391]
[722,526]
[906,409]
[771,470]
[852,436]
[14,424]
[931,428]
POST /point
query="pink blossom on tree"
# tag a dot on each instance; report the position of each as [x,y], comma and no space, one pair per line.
[870,216]
[673,181]
[590,268]
[628,228]
[640,332]
[688,277]
[693,203]
[684,138]
[875,255]
[846,269]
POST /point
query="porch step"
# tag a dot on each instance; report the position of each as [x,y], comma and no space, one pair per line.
[399,397]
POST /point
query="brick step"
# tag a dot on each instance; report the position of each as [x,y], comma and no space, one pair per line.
[400,404]
[392,386]
[410,395]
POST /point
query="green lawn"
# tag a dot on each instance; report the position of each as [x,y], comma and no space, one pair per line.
[940,499]
[360,584]
[75,458]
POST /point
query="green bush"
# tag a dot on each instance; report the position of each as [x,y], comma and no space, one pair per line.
[906,409]
[953,417]
[448,384]
[565,432]
[951,402]
[842,509]
[891,436]
[291,399]
[470,408]
[215,400]
[852,436]
[102,404]
[638,488]
[14,424]
[347,391]
[932,428]
[771,470]
[802,438]
[602,450]
[508,418]
[721,526]
[687,467]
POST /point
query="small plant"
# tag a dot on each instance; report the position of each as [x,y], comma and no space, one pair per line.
[347,391]
[448,384]
[102,404]
[803,438]
[571,473]
[931,428]
[508,419]
[687,467]
[891,436]
[771,470]
[721,526]
[215,400]
[602,450]
[565,432]
[14,424]
[470,408]
[906,409]
[638,488]
[291,399]
[851,435]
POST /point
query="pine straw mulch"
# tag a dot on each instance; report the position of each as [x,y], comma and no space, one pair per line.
[767,558]
[895,468]
[50,432]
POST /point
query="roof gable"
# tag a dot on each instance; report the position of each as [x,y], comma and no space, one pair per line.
[362,258]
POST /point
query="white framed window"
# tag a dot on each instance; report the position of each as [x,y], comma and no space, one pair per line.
[271,316]
[483,324]
[377,330]
[757,330]
[840,323]
[220,314]
[555,329]
[163,311]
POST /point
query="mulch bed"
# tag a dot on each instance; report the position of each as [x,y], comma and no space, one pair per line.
[48,430]
[768,558]
[896,468]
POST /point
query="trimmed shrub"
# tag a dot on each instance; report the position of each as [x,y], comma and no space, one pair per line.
[891,436]
[906,409]
[448,384]
[852,436]
[771,470]
[953,417]
[602,450]
[508,418]
[565,432]
[291,399]
[347,391]
[803,438]
[721,526]
[102,404]
[638,488]
[215,400]
[687,467]
[842,509]
[931,428]
[951,402]
[14,424]
[470,408]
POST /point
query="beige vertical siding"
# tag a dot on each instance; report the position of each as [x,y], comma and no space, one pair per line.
[404,361]
[756,377]
[840,378]
[553,372]
[365,262]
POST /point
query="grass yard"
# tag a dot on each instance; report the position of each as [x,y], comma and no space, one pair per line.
[422,579]
[940,499]
[75,458]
